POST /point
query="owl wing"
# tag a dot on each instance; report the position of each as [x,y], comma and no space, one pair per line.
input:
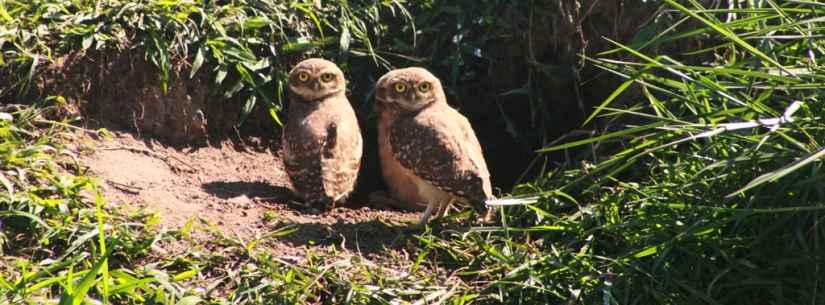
[304,140]
[302,161]
[342,152]
[440,147]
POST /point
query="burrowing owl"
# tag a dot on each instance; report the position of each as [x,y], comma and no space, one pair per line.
[321,142]
[430,156]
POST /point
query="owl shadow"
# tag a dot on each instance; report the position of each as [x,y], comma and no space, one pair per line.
[260,191]
[256,189]
[368,237]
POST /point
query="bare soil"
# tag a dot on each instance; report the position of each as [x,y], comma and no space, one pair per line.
[239,191]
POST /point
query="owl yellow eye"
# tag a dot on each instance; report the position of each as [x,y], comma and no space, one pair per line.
[327,77]
[399,87]
[303,76]
[424,87]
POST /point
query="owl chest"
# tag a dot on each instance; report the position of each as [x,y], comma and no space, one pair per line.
[305,133]
[313,125]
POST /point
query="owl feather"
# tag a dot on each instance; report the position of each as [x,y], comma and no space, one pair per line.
[439,145]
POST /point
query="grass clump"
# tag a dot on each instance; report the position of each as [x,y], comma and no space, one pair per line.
[45,212]
[676,201]
[62,244]
[697,188]
[246,47]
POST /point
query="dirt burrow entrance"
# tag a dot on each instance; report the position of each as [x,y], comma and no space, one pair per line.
[242,193]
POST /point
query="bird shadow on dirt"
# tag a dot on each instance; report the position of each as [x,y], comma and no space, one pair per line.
[354,226]
[366,237]
[254,189]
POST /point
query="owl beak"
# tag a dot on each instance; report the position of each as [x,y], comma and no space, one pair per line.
[316,85]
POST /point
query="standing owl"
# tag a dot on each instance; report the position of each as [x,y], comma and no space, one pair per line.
[322,144]
[430,156]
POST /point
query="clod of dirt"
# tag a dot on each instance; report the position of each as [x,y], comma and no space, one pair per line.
[122,89]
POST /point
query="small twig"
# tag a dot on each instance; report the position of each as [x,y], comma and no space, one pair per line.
[12,107]
[150,153]
[772,124]
[266,205]
[126,188]
[67,125]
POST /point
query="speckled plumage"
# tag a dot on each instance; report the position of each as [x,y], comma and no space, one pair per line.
[429,153]
[322,144]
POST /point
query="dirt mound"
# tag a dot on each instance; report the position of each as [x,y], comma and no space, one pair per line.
[242,193]
[122,89]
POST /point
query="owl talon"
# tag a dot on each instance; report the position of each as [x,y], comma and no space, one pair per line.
[309,207]
[489,216]
[323,203]
[300,204]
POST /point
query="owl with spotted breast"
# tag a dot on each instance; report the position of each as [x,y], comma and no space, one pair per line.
[322,144]
[430,156]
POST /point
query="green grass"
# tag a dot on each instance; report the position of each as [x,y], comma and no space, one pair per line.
[245,47]
[649,213]
[728,218]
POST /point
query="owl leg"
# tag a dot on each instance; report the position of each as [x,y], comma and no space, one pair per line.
[489,215]
[341,198]
[442,209]
[319,202]
[427,213]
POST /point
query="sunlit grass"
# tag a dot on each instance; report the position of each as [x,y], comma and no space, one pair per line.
[244,47]
[687,195]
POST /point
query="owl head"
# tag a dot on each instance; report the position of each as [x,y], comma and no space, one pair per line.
[315,79]
[408,90]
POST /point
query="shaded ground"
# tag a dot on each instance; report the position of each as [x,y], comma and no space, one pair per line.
[243,194]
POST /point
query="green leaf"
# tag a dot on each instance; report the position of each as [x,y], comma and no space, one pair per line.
[775,175]
[611,135]
[256,22]
[622,88]
[186,229]
[306,9]
[646,252]
[245,75]
[7,184]
[728,34]
[247,108]
[344,41]
[87,41]
[273,113]
[185,275]
[78,295]
[304,45]
[197,63]
[190,300]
